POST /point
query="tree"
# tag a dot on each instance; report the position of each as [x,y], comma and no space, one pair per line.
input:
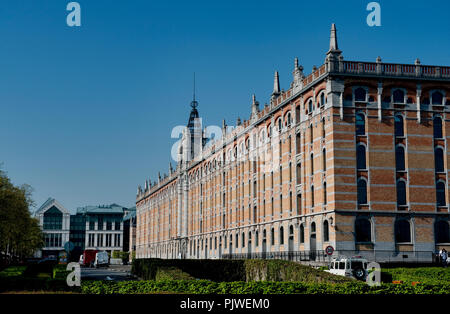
[20,234]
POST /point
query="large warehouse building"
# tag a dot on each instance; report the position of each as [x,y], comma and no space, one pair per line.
[353,156]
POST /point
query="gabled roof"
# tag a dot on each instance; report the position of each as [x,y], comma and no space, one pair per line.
[49,203]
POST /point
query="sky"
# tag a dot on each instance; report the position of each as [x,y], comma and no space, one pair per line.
[86,113]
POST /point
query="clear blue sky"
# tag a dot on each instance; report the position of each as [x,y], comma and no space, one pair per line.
[86,112]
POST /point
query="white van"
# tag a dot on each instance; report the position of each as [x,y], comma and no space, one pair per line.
[101,259]
[354,267]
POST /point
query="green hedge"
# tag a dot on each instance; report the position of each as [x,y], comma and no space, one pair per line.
[425,275]
[215,270]
[260,287]
[236,270]
[34,284]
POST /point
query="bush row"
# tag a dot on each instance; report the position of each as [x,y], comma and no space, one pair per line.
[426,275]
[236,270]
[34,284]
[261,287]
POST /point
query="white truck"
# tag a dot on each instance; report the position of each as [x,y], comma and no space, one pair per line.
[101,259]
[354,267]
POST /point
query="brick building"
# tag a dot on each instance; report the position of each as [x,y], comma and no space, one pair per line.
[353,155]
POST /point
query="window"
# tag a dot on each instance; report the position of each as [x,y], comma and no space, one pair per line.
[311,133]
[302,234]
[313,227]
[281,235]
[398,126]
[324,159]
[299,173]
[362,191]
[326,231]
[323,128]
[288,120]
[272,236]
[53,219]
[441,231]
[280,124]
[437,127]
[310,106]
[363,230]
[398,96]
[299,204]
[402,231]
[324,193]
[400,158]
[312,164]
[440,194]
[360,124]
[437,98]
[298,143]
[361,157]
[360,94]
[401,193]
[312,195]
[439,159]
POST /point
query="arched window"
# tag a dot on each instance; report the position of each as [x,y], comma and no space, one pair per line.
[272,236]
[439,159]
[361,156]
[437,127]
[360,124]
[398,126]
[288,119]
[363,230]
[326,231]
[441,231]
[401,193]
[437,98]
[281,235]
[256,237]
[362,191]
[280,124]
[312,164]
[322,99]
[310,106]
[302,233]
[398,96]
[313,227]
[399,158]
[360,94]
[440,194]
[402,231]
[324,193]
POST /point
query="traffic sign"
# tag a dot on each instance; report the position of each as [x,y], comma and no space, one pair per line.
[69,246]
[329,250]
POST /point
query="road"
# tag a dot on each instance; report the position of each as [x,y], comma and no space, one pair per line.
[113,272]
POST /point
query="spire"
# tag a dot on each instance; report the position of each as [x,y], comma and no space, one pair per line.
[194,103]
[276,84]
[334,49]
[255,106]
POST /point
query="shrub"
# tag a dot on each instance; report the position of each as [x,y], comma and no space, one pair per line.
[171,273]
[253,287]
[424,275]
[12,271]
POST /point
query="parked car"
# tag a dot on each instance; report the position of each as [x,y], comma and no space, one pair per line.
[354,267]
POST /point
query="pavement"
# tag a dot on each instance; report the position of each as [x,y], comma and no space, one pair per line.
[113,273]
